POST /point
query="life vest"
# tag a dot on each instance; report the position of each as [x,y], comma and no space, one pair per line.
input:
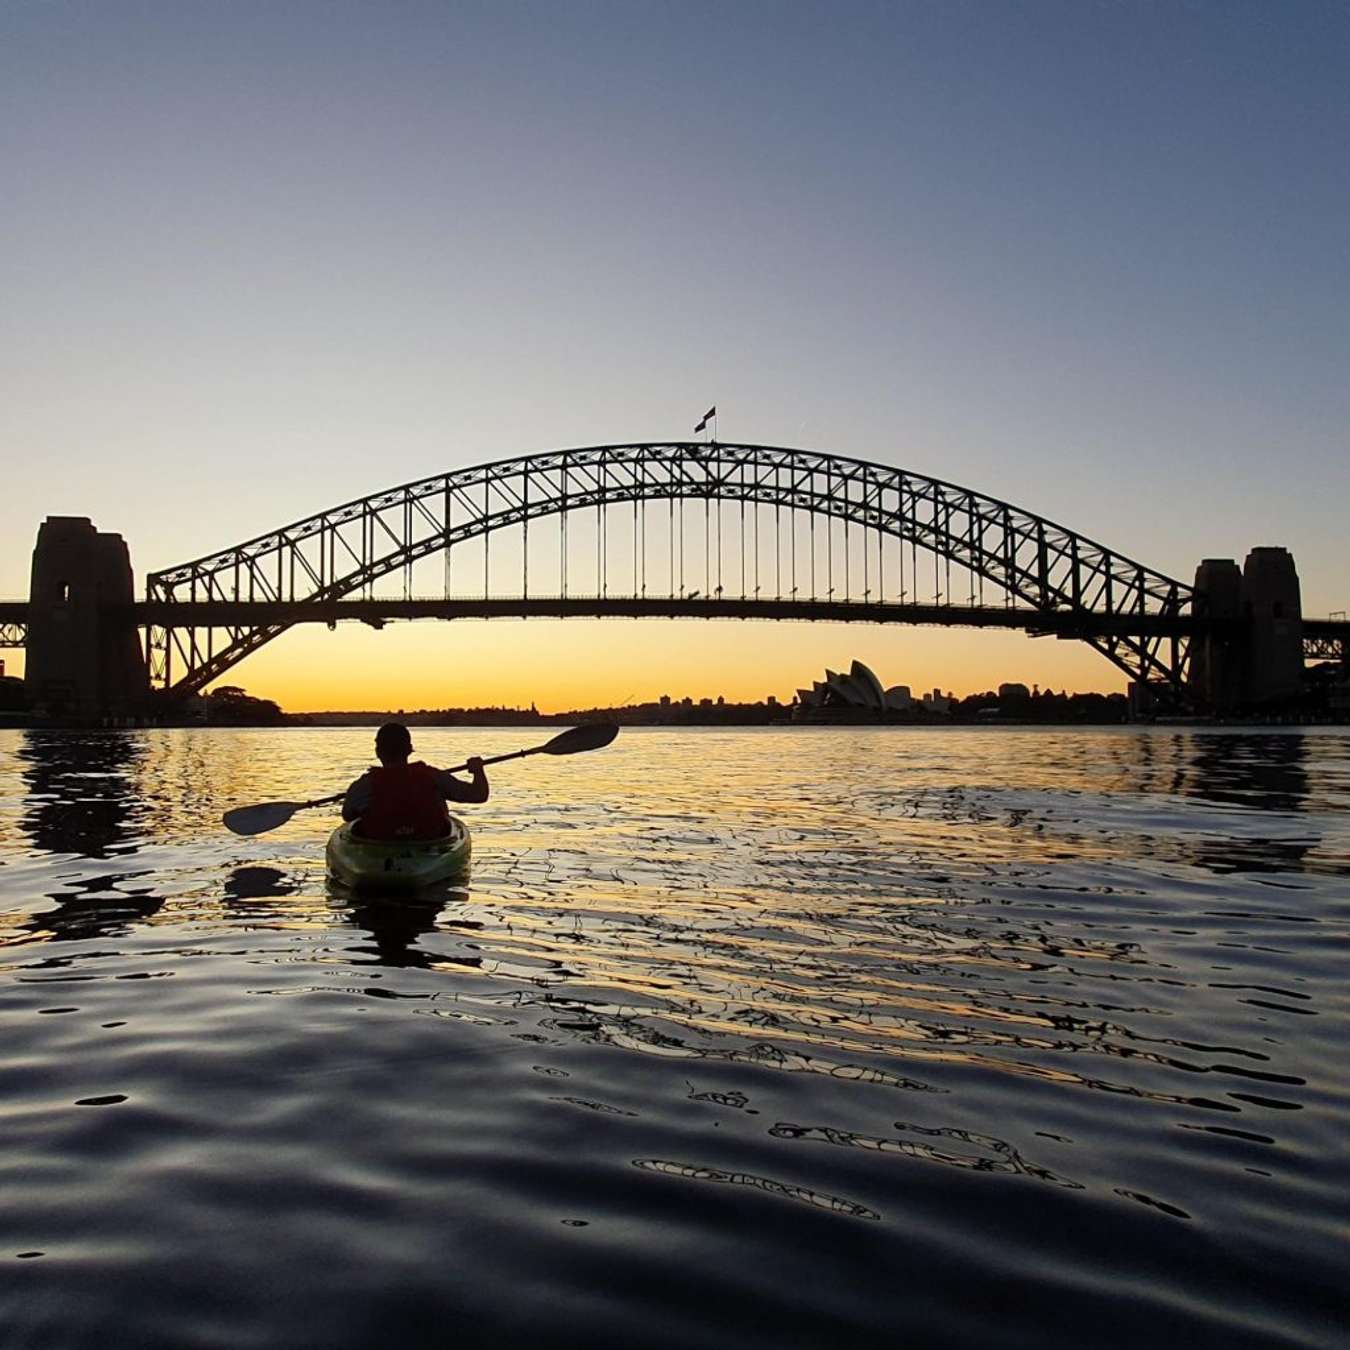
[405,803]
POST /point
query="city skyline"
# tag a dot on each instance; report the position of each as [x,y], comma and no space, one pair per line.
[916,695]
[515,679]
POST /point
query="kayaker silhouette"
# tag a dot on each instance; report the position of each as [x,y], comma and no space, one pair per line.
[400,800]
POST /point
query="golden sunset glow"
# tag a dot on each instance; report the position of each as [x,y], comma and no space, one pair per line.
[560,665]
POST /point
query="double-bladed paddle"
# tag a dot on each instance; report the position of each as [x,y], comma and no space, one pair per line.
[268,815]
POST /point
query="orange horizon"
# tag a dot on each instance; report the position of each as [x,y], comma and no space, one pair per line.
[564,665]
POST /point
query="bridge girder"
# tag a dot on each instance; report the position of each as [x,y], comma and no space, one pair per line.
[1033,562]
[1327,647]
[378,612]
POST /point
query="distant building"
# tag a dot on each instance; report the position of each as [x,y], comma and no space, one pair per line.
[937,702]
[898,698]
[11,694]
[1013,692]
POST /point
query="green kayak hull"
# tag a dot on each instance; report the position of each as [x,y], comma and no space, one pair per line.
[399,865]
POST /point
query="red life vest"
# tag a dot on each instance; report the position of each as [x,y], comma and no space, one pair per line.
[405,803]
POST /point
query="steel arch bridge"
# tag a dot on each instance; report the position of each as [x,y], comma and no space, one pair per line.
[855,531]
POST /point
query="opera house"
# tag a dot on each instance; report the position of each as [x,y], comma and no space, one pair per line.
[857,696]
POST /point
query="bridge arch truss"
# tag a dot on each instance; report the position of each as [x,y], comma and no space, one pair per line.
[885,516]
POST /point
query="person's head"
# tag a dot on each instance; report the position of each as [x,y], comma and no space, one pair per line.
[393,744]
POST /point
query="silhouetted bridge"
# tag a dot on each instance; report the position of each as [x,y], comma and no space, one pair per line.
[662,530]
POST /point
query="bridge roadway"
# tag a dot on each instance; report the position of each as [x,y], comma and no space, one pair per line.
[1321,636]
[378,611]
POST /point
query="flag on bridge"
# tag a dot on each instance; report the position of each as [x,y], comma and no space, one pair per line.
[707,417]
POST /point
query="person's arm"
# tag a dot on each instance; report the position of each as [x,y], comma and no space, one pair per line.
[456,790]
[357,801]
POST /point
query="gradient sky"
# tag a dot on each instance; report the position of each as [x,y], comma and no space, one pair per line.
[1090,257]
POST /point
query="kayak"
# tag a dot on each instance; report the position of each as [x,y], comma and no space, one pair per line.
[398,864]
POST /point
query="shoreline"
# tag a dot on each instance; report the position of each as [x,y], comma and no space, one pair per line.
[301,721]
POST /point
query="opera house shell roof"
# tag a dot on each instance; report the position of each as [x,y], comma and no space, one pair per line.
[858,691]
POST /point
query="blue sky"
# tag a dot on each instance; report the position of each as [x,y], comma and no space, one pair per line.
[1090,257]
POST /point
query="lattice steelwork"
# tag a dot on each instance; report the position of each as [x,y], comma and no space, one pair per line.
[1326,647]
[852,529]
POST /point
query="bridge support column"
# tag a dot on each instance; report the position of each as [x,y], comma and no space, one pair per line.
[1258,661]
[83,663]
[1273,605]
[1217,660]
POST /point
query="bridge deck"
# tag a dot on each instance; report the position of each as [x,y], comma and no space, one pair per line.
[1067,623]
[379,611]
[1323,639]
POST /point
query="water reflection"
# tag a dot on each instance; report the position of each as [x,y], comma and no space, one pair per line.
[257,883]
[96,907]
[396,926]
[1257,773]
[81,798]
[80,791]
[1222,802]
[251,892]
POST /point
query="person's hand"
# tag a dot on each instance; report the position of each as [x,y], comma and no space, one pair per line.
[474,765]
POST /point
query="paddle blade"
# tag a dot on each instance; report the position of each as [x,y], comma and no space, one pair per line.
[590,736]
[261,818]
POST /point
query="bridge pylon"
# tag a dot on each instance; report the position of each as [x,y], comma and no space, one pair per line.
[84,662]
[1251,654]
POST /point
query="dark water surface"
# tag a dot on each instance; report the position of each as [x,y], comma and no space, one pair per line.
[735,1038]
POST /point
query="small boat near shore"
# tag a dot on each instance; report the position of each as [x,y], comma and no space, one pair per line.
[398,865]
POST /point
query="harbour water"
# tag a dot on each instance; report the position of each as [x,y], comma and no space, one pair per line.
[734,1038]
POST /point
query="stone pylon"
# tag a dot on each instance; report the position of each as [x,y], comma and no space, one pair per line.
[84,662]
